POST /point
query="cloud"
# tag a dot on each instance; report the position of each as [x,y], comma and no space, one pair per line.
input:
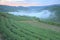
[11,0]
[16,0]
[28,2]
[18,4]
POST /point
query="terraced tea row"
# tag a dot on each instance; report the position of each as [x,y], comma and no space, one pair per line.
[15,30]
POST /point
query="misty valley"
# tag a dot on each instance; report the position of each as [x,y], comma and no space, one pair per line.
[30,23]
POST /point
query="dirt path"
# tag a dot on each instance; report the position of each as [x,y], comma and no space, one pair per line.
[1,37]
[43,25]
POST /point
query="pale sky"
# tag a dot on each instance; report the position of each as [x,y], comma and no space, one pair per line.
[29,2]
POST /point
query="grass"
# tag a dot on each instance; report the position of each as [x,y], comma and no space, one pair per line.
[49,22]
[13,29]
[53,23]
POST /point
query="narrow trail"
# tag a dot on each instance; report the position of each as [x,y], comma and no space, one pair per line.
[42,25]
[1,37]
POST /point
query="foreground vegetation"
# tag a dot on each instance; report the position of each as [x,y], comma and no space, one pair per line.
[51,23]
[26,28]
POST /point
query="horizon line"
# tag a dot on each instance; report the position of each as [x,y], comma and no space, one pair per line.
[23,4]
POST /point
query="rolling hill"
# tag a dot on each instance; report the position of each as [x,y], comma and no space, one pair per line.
[6,8]
[26,28]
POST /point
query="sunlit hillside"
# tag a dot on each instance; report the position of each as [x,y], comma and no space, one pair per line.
[14,27]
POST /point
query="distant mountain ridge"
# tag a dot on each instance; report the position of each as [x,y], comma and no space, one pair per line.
[5,8]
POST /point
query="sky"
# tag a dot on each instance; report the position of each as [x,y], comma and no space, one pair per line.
[29,2]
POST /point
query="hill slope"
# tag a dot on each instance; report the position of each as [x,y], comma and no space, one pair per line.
[26,28]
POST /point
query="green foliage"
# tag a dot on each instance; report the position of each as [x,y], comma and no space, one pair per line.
[14,28]
[48,22]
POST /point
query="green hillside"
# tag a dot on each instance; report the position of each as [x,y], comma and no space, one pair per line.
[26,28]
